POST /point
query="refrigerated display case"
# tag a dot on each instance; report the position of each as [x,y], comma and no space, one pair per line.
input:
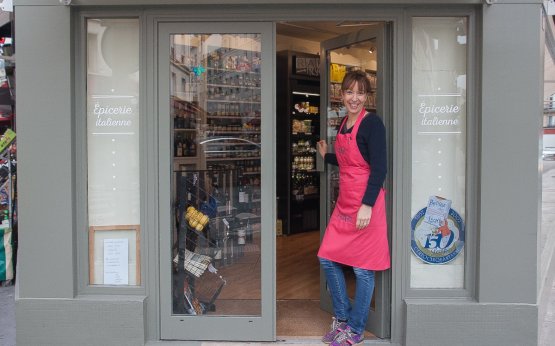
[298,126]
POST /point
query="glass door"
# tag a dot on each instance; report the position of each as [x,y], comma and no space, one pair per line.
[361,50]
[217,189]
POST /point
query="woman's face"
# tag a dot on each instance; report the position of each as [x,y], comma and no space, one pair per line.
[354,99]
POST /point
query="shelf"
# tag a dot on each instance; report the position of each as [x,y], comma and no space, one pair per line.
[235,132]
[233,101]
[185,158]
[310,116]
[239,117]
[225,70]
[251,173]
[231,144]
[233,86]
[304,171]
[304,134]
[232,158]
[176,98]
[227,151]
[187,130]
[303,154]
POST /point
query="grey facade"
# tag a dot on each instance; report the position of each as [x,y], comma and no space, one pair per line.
[499,305]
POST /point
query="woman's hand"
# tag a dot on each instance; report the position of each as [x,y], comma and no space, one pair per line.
[322,146]
[363,216]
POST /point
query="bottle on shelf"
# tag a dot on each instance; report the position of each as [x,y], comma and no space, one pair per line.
[178,146]
[243,192]
[186,146]
[193,147]
[176,121]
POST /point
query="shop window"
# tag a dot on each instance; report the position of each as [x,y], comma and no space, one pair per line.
[439,117]
[113,180]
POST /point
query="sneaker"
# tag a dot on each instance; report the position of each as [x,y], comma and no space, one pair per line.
[336,328]
[347,338]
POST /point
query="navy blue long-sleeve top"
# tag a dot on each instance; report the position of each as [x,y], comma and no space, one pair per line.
[372,146]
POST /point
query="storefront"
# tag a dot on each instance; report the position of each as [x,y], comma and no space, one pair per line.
[160,142]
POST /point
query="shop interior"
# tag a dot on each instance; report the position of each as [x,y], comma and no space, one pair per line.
[215,98]
[298,271]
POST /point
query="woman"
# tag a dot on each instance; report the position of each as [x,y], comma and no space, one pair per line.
[356,235]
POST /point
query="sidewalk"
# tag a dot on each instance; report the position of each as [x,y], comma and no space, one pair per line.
[7,316]
[547,328]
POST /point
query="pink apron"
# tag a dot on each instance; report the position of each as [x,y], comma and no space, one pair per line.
[343,243]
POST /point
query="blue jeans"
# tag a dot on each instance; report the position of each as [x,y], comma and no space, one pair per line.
[356,315]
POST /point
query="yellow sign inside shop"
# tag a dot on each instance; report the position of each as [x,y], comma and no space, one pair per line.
[337,72]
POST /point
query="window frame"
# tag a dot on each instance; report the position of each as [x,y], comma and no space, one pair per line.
[83,287]
[472,170]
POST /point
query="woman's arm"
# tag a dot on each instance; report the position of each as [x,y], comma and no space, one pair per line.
[330,158]
[373,138]
[374,135]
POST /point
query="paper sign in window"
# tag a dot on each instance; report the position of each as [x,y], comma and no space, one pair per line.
[114,255]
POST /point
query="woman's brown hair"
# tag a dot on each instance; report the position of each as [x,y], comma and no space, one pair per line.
[353,77]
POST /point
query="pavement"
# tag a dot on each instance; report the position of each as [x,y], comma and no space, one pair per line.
[7,316]
[546,328]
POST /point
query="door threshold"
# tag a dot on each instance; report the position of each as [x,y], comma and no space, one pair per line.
[298,340]
[283,340]
[307,340]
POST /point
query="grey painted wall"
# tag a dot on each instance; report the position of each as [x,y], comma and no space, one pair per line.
[46,265]
[512,75]
[97,321]
[463,323]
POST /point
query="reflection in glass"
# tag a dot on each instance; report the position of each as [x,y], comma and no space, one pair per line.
[215,111]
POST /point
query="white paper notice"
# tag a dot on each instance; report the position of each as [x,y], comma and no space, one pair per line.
[437,211]
[116,261]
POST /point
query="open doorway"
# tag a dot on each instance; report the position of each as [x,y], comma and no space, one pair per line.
[307,110]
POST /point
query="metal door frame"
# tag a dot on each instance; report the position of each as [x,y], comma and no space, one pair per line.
[379,319]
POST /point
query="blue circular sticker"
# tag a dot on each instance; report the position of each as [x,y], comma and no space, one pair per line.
[437,245]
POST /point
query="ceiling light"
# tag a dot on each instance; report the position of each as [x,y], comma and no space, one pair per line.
[305,94]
